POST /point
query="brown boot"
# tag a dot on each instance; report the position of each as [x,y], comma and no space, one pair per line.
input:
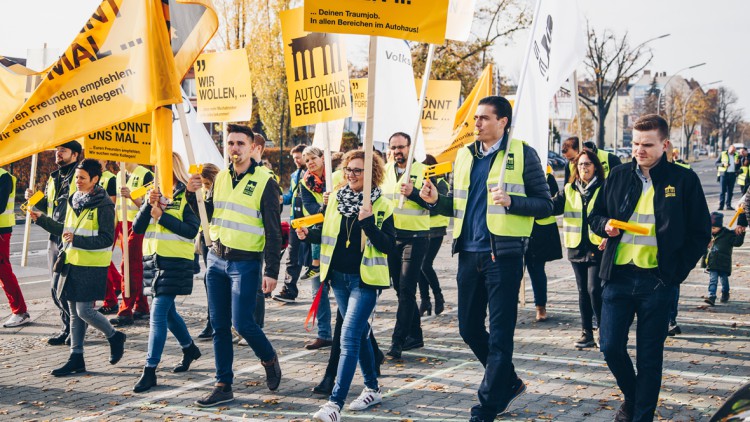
[541,313]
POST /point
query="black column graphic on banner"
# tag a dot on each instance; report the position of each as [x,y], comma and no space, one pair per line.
[305,45]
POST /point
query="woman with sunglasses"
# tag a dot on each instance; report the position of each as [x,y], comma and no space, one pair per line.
[355,242]
[585,248]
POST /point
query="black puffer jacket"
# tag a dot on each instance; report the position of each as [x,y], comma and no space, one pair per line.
[164,275]
[544,244]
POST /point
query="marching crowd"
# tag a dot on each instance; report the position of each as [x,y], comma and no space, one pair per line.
[633,231]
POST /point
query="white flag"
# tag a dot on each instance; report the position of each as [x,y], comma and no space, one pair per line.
[460,17]
[396,103]
[335,131]
[204,148]
[556,47]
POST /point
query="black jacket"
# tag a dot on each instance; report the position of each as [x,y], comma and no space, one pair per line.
[586,251]
[536,203]
[62,178]
[165,275]
[683,225]
[544,243]
[718,257]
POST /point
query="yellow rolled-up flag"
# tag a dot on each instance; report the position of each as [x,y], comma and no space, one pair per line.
[307,221]
[628,227]
[736,215]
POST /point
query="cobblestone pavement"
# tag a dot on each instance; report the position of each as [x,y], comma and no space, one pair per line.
[703,366]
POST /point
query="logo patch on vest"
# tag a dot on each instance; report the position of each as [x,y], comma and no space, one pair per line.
[511,162]
[606,167]
[670,192]
[250,188]
[413,178]
[174,205]
[380,218]
[90,216]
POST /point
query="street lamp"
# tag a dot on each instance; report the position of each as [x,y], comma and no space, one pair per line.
[666,85]
[684,113]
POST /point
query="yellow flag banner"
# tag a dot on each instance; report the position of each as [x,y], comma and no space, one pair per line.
[161,148]
[414,20]
[192,24]
[128,141]
[119,66]
[359,99]
[463,127]
[223,85]
[17,82]
[438,114]
[317,73]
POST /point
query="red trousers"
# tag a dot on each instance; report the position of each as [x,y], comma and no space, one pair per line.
[114,283]
[137,301]
[8,280]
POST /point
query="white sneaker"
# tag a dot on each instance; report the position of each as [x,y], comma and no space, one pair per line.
[369,397]
[17,320]
[329,412]
[242,342]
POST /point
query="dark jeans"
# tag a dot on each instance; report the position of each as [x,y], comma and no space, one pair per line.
[232,297]
[589,293]
[293,264]
[429,279]
[405,266]
[333,358]
[727,188]
[626,295]
[538,281]
[673,307]
[483,283]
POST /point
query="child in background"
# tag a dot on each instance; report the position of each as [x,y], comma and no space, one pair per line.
[718,258]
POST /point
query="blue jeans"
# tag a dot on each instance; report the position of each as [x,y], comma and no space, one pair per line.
[627,294]
[164,316]
[483,282]
[713,280]
[232,287]
[356,303]
[538,281]
[315,250]
[324,310]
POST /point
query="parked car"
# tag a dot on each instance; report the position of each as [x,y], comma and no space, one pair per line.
[556,160]
[624,153]
[700,151]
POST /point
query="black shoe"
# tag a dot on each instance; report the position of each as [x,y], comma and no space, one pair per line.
[220,394]
[74,365]
[207,333]
[106,310]
[148,380]
[729,207]
[141,315]
[439,304]
[586,340]
[724,298]
[273,373]
[116,347]
[711,300]
[285,296]
[395,351]
[674,330]
[412,343]
[519,387]
[325,387]
[189,354]
[721,207]
[121,321]
[625,412]
[58,340]
[425,307]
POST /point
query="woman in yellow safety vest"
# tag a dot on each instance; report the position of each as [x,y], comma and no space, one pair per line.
[742,177]
[169,228]
[355,240]
[87,234]
[575,202]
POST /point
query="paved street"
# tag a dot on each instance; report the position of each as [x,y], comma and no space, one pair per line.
[702,366]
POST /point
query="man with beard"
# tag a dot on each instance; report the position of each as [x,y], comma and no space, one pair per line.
[60,186]
[412,223]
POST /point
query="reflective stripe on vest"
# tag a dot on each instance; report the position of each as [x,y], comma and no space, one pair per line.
[725,162]
[687,166]
[637,249]
[86,224]
[742,177]
[237,219]
[439,220]
[8,216]
[134,182]
[163,242]
[411,217]
[603,157]
[573,217]
[374,266]
[499,222]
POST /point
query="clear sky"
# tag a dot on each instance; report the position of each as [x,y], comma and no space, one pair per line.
[715,32]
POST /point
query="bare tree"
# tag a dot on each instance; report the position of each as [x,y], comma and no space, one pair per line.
[722,114]
[695,112]
[611,63]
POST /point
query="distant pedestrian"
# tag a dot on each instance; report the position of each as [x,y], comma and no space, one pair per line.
[8,279]
[728,165]
[718,258]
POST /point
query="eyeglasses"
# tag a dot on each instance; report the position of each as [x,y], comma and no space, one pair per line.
[585,164]
[398,147]
[357,172]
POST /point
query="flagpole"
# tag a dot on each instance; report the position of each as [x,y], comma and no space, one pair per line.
[422,96]
[224,141]
[191,160]
[124,220]
[370,124]
[327,158]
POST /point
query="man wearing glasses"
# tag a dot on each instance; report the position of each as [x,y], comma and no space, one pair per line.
[412,223]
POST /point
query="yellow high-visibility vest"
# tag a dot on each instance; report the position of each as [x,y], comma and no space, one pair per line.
[742,176]
[106,177]
[725,162]
[411,217]
[237,220]
[604,159]
[163,242]
[51,193]
[637,249]
[374,266]
[8,216]
[85,224]
[134,182]
[573,217]
[439,220]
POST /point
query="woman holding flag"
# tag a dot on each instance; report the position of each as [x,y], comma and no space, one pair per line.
[355,240]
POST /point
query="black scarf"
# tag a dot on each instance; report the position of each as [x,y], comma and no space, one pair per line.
[350,201]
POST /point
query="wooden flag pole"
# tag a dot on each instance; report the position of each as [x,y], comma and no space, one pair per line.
[327,158]
[370,125]
[191,160]
[224,141]
[124,219]
[27,224]
[415,134]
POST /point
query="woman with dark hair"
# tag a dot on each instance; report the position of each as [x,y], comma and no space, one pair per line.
[438,224]
[87,235]
[585,248]
[355,240]
[169,229]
